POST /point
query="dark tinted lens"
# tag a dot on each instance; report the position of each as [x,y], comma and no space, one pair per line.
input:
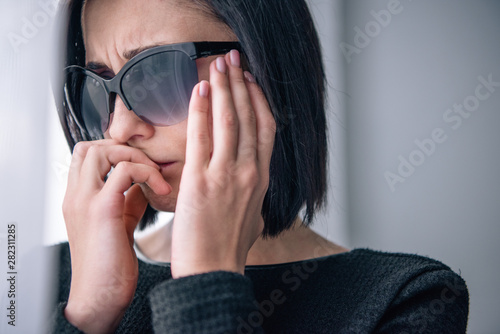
[158,88]
[89,102]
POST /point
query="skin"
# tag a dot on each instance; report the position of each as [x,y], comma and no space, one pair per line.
[215,182]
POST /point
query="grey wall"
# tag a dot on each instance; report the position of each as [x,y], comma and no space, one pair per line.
[406,79]
[332,222]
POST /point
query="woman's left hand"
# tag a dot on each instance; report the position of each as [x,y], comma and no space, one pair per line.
[230,140]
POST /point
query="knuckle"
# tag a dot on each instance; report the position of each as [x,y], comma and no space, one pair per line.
[220,179]
[197,107]
[251,176]
[212,186]
[249,149]
[248,152]
[236,76]
[232,170]
[123,167]
[80,149]
[267,132]
[249,114]
[229,119]
[201,136]
[93,150]
[219,82]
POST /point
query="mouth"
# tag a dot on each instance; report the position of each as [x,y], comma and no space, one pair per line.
[165,165]
[161,164]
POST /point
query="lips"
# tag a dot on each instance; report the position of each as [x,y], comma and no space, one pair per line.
[164,165]
[161,162]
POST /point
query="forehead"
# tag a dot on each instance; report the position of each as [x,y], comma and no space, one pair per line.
[112,27]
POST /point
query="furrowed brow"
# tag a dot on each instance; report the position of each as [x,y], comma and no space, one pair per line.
[129,54]
[132,53]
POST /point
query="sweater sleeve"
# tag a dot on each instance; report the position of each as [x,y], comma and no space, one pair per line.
[57,321]
[216,302]
[433,302]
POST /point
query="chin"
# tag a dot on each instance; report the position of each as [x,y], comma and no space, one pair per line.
[165,203]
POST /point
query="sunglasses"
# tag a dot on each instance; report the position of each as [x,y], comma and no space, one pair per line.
[156,85]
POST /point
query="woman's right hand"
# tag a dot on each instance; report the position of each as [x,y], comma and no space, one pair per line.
[100,219]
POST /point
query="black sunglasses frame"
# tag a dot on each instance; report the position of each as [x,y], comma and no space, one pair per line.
[113,86]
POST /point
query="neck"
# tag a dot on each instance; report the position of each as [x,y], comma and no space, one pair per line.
[296,244]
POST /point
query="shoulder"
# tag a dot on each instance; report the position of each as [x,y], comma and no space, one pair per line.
[392,265]
[364,291]
[396,274]
[417,293]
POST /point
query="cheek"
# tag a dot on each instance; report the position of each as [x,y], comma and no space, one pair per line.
[106,133]
[180,140]
[175,136]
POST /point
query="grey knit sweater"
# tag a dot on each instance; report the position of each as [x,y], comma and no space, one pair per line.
[361,291]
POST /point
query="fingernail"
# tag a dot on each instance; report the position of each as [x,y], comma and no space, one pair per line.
[221,65]
[203,89]
[235,58]
[249,77]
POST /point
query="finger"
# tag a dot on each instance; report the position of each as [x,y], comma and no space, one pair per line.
[77,159]
[247,141]
[266,125]
[127,173]
[79,155]
[225,120]
[198,132]
[135,206]
[100,159]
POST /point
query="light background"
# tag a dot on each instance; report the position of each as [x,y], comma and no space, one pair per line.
[25,59]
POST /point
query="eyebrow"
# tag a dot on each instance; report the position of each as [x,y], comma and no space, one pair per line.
[132,53]
[129,54]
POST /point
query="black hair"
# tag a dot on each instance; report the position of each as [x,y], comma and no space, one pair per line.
[282,49]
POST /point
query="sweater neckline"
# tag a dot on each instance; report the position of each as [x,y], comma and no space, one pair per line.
[142,257]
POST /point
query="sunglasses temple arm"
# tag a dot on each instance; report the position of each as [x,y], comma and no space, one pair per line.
[205,49]
[70,107]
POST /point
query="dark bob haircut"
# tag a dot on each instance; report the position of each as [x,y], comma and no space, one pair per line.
[282,49]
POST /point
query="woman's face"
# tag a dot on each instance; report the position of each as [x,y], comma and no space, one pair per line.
[113,29]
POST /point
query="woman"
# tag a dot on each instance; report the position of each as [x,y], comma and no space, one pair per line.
[215,110]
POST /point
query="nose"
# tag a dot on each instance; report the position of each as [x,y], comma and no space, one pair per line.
[125,126]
